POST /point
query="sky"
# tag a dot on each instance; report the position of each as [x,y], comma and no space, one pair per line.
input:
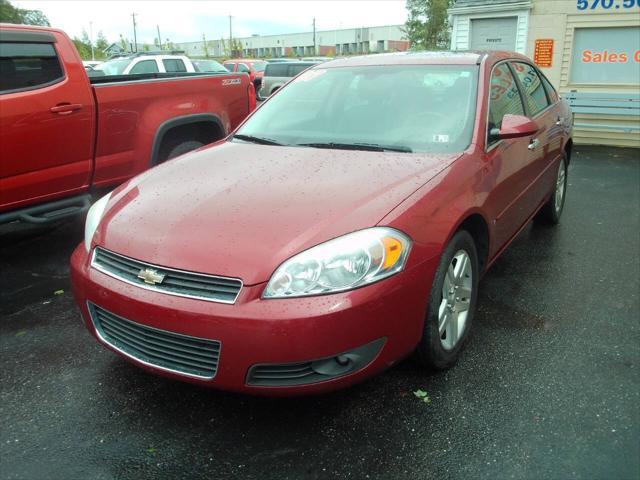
[188,20]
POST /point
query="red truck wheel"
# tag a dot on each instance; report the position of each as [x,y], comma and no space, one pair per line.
[181,149]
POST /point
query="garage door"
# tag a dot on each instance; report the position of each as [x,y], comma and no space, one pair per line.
[494,33]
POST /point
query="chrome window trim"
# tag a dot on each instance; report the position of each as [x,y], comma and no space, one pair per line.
[550,103]
[160,290]
[525,107]
[148,364]
[487,147]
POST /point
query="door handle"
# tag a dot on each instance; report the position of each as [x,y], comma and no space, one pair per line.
[65,108]
[533,144]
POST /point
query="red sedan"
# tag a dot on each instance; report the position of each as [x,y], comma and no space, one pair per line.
[342,227]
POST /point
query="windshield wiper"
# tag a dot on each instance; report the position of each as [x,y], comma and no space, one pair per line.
[370,147]
[258,140]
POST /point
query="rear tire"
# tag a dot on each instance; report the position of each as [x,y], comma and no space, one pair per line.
[551,212]
[452,304]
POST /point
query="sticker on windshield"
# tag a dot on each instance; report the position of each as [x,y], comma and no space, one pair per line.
[441,138]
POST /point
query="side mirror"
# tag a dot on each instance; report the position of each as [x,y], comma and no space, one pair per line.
[515,126]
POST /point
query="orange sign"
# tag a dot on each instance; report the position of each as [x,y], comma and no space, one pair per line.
[543,52]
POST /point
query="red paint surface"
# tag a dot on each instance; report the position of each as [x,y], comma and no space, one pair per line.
[240,210]
[107,139]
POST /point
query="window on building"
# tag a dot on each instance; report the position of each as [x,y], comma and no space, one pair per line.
[504,98]
[534,94]
[145,66]
[380,46]
[174,65]
[28,65]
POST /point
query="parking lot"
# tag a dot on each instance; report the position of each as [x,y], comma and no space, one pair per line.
[548,386]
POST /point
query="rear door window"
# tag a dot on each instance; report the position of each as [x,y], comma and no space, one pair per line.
[145,66]
[174,65]
[534,94]
[551,92]
[27,66]
[229,66]
[277,70]
[243,68]
[296,69]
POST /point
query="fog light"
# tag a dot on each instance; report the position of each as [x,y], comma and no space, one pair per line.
[314,371]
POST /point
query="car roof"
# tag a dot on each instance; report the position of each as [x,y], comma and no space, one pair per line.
[471,57]
[244,60]
[150,56]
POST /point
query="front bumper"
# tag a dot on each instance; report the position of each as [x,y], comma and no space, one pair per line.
[254,332]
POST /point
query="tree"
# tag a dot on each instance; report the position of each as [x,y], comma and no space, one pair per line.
[11,14]
[84,48]
[101,45]
[124,44]
[427,26]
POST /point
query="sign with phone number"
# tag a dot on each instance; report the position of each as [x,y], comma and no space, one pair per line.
[607,4]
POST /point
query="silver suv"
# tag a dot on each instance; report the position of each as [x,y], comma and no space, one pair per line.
[277,74]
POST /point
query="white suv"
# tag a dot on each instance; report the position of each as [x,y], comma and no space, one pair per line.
[146,63]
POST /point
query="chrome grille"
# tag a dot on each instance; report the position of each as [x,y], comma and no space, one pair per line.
[197,357]
[175,282]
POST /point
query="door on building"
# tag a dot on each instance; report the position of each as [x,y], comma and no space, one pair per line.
[494,33]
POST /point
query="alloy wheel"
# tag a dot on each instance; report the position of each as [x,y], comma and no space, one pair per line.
[456,300]
[560,186]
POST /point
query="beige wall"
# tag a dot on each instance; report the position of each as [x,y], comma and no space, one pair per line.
[557,19]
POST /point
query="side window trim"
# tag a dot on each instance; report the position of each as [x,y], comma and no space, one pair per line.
[526,104]
[488,147]
[545,82]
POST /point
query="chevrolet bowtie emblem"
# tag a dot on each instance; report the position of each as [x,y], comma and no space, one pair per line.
[150,276]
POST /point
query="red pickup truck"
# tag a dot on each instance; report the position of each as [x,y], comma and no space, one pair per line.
[64,135]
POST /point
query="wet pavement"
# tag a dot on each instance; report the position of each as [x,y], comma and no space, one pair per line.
[548,386]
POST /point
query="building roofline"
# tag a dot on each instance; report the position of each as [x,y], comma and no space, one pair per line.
[498,7]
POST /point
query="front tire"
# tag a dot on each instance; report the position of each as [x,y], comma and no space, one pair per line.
[451,304]
[551,212]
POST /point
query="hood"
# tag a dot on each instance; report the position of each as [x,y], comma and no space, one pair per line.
[240,210]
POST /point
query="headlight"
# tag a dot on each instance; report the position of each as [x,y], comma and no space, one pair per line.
[341,264]
[93,219]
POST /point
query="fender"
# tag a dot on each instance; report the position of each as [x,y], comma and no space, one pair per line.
[178,122]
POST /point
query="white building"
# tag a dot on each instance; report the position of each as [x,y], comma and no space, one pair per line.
[388,38]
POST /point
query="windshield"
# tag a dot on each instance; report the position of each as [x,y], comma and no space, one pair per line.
[208,66]
[259,66]
[417,108]
[114,67]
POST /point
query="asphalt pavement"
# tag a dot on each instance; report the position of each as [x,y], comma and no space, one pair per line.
[548,386]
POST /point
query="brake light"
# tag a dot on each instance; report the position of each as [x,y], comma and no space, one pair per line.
[251,91]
